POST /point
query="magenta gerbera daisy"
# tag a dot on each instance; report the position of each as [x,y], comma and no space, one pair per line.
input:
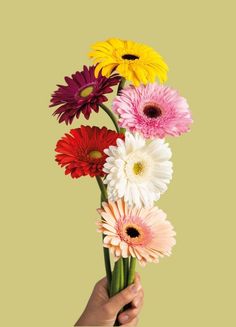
[83,93]
[144,234]
[82,151]
[153,110]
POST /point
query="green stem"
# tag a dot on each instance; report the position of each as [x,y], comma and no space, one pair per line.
[122,130]
[130,277]
[126,270]
[115,283]
[107,266]
[122,277]
[105,250]
[121,85]
[111,115]
[102,188]
[131,271]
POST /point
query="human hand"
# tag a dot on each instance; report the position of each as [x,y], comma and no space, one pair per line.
[102,310]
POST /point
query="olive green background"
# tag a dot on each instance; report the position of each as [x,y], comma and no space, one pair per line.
[51,254]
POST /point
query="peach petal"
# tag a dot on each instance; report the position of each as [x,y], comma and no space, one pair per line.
[110,219]
[106,232]
[109,227]
[115,241]
[120,204]
[113,208]
[117,252]
[107,239]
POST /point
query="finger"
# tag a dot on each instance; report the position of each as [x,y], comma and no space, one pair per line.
[128,315]
[134,310]
[133,322]
[138,282]
[124,297]
[138,300]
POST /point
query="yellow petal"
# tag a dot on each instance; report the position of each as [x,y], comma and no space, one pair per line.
[97,69]
[141,73]
[104,45]
[97,55]
[116,43]
[151,74]
[123,69]
[107,70]
[134,78]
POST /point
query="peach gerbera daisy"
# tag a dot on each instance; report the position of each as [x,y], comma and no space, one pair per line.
[143,233]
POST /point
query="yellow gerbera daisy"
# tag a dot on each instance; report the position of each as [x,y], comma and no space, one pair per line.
[136,62]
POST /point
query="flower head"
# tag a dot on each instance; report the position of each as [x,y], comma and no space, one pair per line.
[153,110]
[83,93]
[134,61]
[82,151]
[137,171]
[141,233]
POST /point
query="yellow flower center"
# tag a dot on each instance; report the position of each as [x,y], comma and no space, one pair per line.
[130,57]
[86,91]
[95,154]
[138,168]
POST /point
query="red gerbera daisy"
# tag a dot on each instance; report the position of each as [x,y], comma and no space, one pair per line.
[83,93]
[82,151]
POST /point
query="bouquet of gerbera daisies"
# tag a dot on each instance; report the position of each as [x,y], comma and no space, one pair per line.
[131,163]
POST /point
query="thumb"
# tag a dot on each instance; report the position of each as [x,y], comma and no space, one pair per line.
[124,297]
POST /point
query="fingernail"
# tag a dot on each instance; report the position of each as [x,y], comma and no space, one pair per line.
[134,288]
[124,318]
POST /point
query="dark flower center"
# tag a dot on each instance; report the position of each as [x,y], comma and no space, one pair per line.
[132,232]
[130,57]
[152,111]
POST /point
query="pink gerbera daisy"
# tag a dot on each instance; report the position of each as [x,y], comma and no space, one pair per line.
[153,110]
[141,233]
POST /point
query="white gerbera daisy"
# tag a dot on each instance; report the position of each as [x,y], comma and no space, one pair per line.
[137,171]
